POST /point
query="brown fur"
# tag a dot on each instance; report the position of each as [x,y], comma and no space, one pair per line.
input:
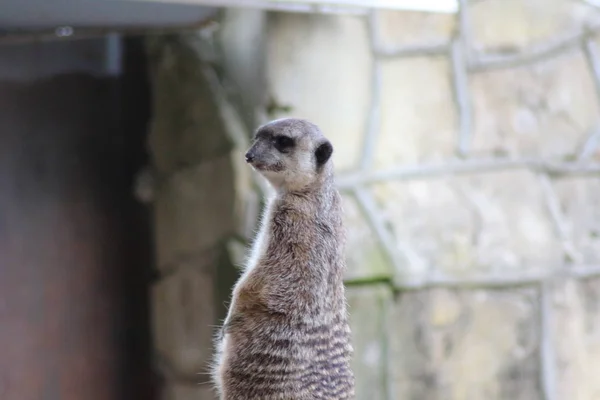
[286,335]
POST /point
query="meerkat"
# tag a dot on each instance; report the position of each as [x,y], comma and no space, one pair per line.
[286,335]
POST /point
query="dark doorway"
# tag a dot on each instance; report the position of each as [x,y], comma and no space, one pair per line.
[74,243]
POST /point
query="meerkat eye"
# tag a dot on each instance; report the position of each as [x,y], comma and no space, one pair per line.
[283,143]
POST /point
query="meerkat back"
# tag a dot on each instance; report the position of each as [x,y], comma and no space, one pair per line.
[286,335]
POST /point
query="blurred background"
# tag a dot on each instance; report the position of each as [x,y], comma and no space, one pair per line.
[467,148]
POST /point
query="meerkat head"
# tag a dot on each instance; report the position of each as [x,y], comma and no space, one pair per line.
[291,153]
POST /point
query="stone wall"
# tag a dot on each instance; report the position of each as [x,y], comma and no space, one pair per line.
[192,188]
[467,153]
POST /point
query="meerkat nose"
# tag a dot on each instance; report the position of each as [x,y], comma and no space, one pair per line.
[249,157]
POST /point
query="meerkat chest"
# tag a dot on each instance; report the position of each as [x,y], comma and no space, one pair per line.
[247,290]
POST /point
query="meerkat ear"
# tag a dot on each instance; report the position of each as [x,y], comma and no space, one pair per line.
[323,153]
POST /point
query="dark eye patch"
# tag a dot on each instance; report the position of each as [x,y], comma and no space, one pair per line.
[283,143]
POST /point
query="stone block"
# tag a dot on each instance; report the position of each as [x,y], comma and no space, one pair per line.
[544,110]
[465,345]
[186,126]
[180,391]
[320,67]
[193,210]
[409,29]
[241,44]
[369,308]
[580,200]
[365,257]
[532,22]
[184,319]
[418,118]
[469,224]
[576,337]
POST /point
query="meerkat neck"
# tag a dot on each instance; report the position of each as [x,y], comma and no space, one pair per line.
[323,184]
